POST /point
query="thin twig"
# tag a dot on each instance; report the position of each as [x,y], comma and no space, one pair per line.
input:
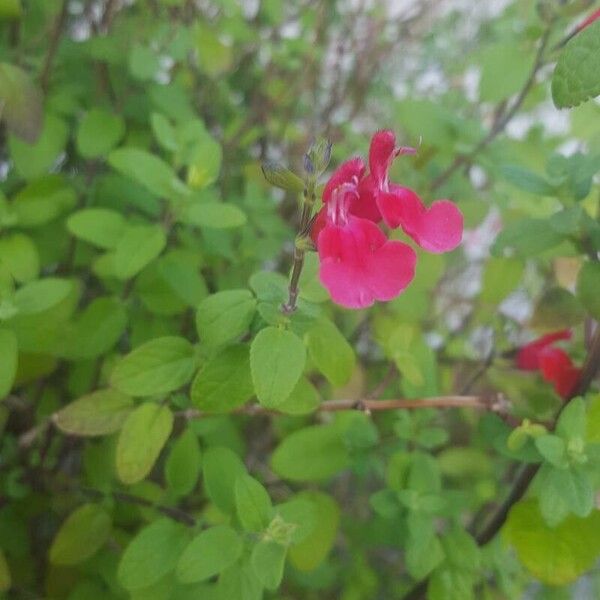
[55,36]
[501,123]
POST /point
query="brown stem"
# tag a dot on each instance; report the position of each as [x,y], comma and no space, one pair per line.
[55,36]
[501,123]
[494,404]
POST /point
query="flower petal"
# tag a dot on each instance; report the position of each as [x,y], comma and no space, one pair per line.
[365,206]
[528,356]
[359,265]
[381,154]
[349,171]
[557,368]
[438,228]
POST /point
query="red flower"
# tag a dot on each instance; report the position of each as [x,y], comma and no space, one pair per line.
[358,263]
[588,21]
[554,364]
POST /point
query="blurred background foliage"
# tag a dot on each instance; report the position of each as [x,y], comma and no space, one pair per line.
[143,262]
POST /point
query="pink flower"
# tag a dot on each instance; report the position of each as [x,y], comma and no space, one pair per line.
[436,229]
[554,364]
[588,21]
[358,264]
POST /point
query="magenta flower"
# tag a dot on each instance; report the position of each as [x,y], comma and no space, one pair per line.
[358,264]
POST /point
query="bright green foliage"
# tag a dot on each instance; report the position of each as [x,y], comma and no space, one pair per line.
[98,413]
[208,554]
[152,553]
[156,367]
[576,77]
[555,555]
[184,413]
[142,437]
[82,534]
[277,360]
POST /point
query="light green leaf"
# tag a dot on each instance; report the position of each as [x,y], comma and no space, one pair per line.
[500,277]
[527,237]
[42,200]
[82,534]
[208,554]
[277,359]
[239,582]
[588,288]
[253,504]
[98,413]
[504,69]
[98,226]
[20,256]
[183,464]
[156,367]
[99,132]
[141,439]
[303,400]
[224,316]
[553,449]
[138,246]
[576,77]
[148,170]
[8,364]
[42,294]
[216,215]
[556,556]
[33,160]
[221,468]
[311,454]
[224,383]
[144,63]
[309,553]
[268,561]
[527,180]
[330,352]
[21,99]
[152,554]
[282,177]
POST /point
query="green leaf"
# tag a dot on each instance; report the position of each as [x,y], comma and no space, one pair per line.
[164,132]
[19,254]
[576,77]
[33,160]
[144,63]
[5,578]
[303,400]
[424,551]
[181,271]
[8,364]
[225,316]
[225,382]
[504,70]
[216,215]
[527,237]
[137,247]
[588,288]
[553,449]
[277,359]
[98,226]
[21,102]
[311,454]
[281,177]
[156,367]
[447,583]
[214,56]
[42,294]
[82,534]
[592,433]
[148,170]
[99,413]
[309,553]
[330,352]
[572,421]
[556,556]
[141,439]
[557,309]
[99,132]
[42,200]
[152,554]
[500,277]
[268,561]
[96,330]
[221,468]
[253,504]
[527,180]
[208,554]
[239,582]
[183,465]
